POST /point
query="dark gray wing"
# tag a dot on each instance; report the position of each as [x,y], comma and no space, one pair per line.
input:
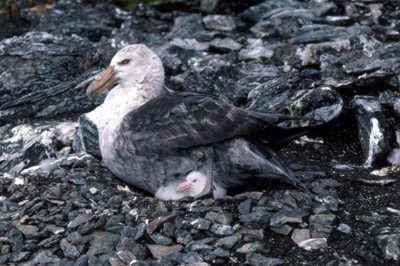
[184,119]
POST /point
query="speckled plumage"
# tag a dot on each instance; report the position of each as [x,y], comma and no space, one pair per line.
[154,138]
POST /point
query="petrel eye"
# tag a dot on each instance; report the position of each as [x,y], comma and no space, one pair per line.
[125,61]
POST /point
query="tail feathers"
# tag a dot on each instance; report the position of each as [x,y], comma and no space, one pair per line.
[275,168]
[277,136]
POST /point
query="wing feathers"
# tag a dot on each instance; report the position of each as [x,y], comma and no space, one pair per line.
[183,119]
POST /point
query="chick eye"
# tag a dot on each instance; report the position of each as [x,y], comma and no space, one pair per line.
[194,180]
[125,62]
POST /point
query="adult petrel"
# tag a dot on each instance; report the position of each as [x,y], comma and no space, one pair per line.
[157,141]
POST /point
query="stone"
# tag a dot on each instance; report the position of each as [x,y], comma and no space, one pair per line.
[69,250]
[259,217]
[168,229]
[373,128]
[300,235]
[77,221]
[229,241]
[161,239]
[82,260]
[251,248]
[389,245]
[313,244]
[219,22]
[183,236]
[208,6]
[19,256]
[186,27]
[157,223]
[282,229]
[45,256]
[201,224]
[245,206]
[45,84]
[126,257]
[283,217]
[260,260]
[102,243]
[221,229]
[321,225]
[221,253]
[344,228]
[250,234]
[222,218]
[224,45]
[257,51]
[159,251]
[27,229]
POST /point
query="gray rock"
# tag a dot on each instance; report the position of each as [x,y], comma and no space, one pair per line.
[221,253]
[344,228]
[157,223]
[224,45]
[323,33]
[27,229]
[396,107]
[201,224]
[126,257]
[16,240]
[183,236]
[260,260]
[229,241]
[139,231]
[259,217]
[314,244]
[159,251]
[256,50]
[255,195]
[245,206]
[77,221]
[221,229]
[161,239]
[208,6]
[168,229]
[187,26]
[19,256]
[102,243]
[390,246]
[321,225]
[49,90]
[249,234]
[69,250]
[222,218]
[282,229]
[82,261]
[29,145]
[373,128]
[43,257]
[283,217]
[300,235]
[219,22]
[251,248]
[129,244]
[191,258]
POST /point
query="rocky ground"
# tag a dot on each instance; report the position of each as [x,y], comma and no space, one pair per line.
[335,61]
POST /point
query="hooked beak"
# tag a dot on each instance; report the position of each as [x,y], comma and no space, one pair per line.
[106,79]
[183,187]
